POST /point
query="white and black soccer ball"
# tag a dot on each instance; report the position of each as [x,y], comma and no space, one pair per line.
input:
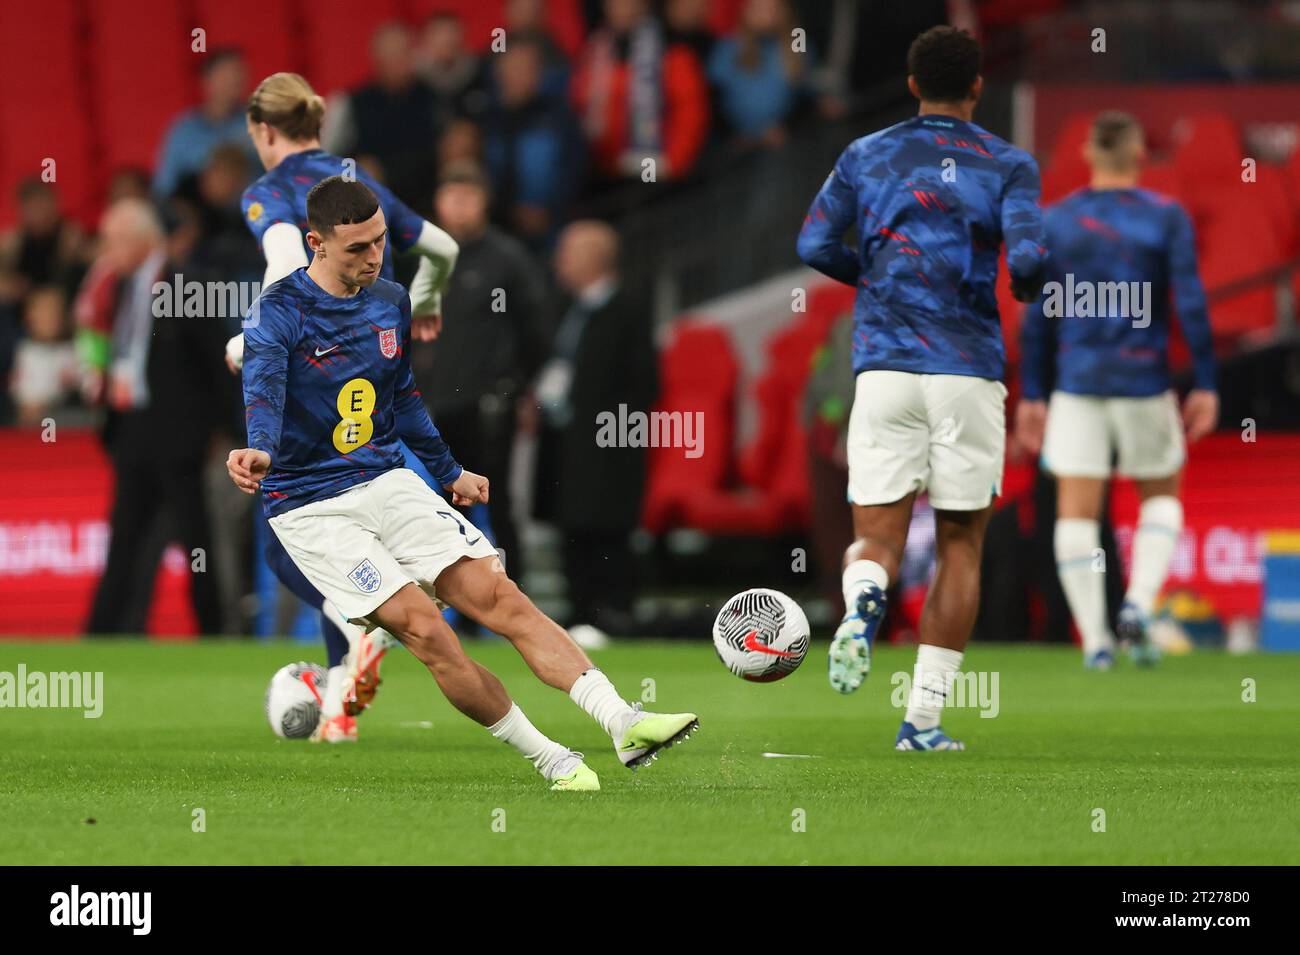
[293,700]
[761,635]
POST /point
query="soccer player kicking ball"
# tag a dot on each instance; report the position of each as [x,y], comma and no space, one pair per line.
[1130,252]
[284,122]
[328,393]
[932,198]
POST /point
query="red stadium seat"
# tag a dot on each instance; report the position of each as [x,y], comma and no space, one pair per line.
[44,117]
[133,106]
[773,469]
[789,361]
[1161,177]
[336,40]
[1066,170]
[699,372]
[1240,240]
[267,33]
[1207,154]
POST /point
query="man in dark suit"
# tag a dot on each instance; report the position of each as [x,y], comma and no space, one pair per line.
[491,346]
[167,392]
[603,357]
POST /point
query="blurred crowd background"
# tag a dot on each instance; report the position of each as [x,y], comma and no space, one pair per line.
[529,146]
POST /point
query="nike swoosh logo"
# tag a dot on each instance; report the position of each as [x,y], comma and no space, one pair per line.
[326,351]
[753,643]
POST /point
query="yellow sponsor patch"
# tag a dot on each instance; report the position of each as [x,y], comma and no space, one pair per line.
[254,212]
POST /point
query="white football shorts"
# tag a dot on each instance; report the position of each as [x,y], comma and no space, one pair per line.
[1085,433]
[362,546]
[945,434]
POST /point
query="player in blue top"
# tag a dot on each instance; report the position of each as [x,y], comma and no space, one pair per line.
[284,120]
[329,394]
[1098,342]
[933,199]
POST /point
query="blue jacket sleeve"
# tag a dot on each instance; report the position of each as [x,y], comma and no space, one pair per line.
[411,417]
[1189,300]
[1037,351]
[1022,229]
[270,334]
[833,211]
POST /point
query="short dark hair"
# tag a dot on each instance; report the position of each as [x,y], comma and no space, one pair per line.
[337,201]
[945,62]
[1113,127]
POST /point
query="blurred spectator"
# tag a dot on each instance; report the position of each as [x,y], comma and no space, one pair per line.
[461,142]
[165,391]
[392,121]
[196,132]
[446,64]
[603,360]
[688,24]
[526,23]
[640,96]
[130,182]
[532,146]
[227,251]
[44,248]
[493,341]
[760,78]
[45,362]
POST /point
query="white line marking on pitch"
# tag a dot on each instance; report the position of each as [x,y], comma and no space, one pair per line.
[789,756]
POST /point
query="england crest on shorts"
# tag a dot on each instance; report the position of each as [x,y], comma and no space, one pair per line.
[388,342]
[366,577]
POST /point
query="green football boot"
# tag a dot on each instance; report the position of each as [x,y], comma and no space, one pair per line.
[648,733]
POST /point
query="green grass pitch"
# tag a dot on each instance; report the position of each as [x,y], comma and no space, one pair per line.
[1184,769]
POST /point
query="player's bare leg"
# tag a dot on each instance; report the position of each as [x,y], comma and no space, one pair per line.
[946,620]
[1081,567]
[495,601]
[411,616]
[870,563]
[479,589]
[1160,521]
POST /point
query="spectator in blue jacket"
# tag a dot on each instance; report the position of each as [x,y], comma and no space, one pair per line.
[532,146]
[759,75]
[196,132]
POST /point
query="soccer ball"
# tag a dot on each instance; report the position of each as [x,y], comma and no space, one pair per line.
[761,635]
[293,700]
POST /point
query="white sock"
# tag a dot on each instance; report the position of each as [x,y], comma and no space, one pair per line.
[857,576]
[332,697]
[350,630]
[1160,520]
[514,728]
[1078,542]
[594,693]
[930,682]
